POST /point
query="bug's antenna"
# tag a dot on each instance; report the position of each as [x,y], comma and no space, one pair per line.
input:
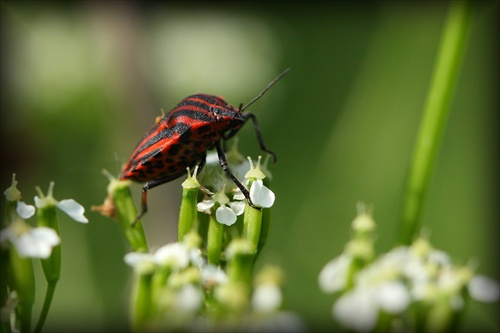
[265,89]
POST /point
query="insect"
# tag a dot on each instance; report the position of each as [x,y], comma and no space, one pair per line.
[181,138]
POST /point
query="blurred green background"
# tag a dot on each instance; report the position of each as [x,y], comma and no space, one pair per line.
[82,81]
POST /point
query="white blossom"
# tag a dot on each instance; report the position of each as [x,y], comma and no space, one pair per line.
[357,309]
[213,275]
[73,209]
[227,212]
[69,206]
[24,210]
[484,289]
[333,276]
[30,242]
[261,195]
[175,255]
[189,299]
[266,298]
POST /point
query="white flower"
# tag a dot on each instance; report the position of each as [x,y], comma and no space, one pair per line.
[30,242]
[357,310]
[266,298]
[175,255]
[188,299]
[205,206]
[261,195]
[227,212]
[141,262]
[69,206]
[484,289]
[225,215]
[333,276]
[24,210]
[393,297]
[213,275]
[73,209]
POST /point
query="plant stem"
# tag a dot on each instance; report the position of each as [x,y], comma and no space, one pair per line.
[435,116]
[49,294]
[214,239]
[187,212]
[127,212]
[252,223]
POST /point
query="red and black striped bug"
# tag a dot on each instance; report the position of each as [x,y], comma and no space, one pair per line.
[181,138]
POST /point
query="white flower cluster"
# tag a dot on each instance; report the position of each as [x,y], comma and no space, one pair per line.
[36,242]
[390,284]
[228,211]
[191,279]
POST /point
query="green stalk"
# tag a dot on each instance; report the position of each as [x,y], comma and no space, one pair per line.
[252,223]
[127,213]
[214,239]
[435,116]
[47,217]
[141,302]
[24,283]
[49,294]
[240,261]
[188,211]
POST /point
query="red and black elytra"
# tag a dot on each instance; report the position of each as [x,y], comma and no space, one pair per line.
[181,138]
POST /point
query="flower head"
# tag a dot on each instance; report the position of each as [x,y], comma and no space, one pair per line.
[227,211]
[30,242]
[69,206]
[259,193]
[390,283]
[174,255]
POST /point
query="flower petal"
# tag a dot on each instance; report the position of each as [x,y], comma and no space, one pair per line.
[225,215]
[267,298]
[205,206]
[46,235]
[261,195]
[136,258]
[357,310]
[36,243]
[238,195]
[484,289]
[174,255]
[188,299]
[73,209]
[333,276]
[238,207]
[393,297]
[24,210]
[211,275]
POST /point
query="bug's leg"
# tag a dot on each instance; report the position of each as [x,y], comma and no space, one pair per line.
[149,185]
[257,131]
[223,164]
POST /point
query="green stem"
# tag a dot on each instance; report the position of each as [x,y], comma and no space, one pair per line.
[23,277]
[47,217]
[49,294]
[127,213]
[252,223]
[187,212]
[435,116]
[141,302]
[214,239]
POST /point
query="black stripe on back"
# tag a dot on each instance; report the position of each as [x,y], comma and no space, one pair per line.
[166,133]
[193,114]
